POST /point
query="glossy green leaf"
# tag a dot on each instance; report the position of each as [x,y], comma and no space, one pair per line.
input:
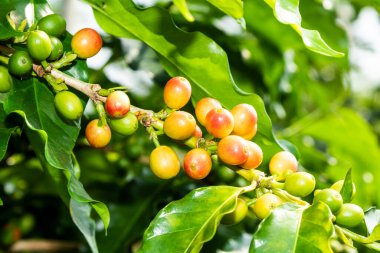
[347,188]
[375,234]
[80,212]
[372,219]
[287,12]
[182,6]
[186,224]
[292,228]
[6,30]
[234,8]
[192,55]
[5,133]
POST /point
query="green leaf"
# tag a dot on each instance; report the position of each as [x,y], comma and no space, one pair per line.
[287,12]
[1,202]
[291,228]
[375,234]
[372,219]
[347,188]
[6,30]
[182,6]
[234,8]
[184,225]
[192,55]
[5,133]
[80,212]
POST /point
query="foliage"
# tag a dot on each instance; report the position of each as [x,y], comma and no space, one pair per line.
[286,58]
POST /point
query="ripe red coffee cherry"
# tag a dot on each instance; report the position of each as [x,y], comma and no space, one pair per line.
[255,156]
[282,164]
[245,118]
[236,215]
[97,135]
[179,125]
[219,122]
[233,150]
[198,132]
[203,107]
[265,204]
[197,163]
[300,184]
[86,43]
[164,162]
[177,92]
[117,104]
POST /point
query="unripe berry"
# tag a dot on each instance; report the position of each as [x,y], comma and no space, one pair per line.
[97,135]
[179,125]
[126,125]
[203,107]
[68,105]
[6,82]
[282,164]
[197,163]
[39,45]
[237,215]
[164,162]
[219,122]
[233,150]
[86,43]
[117,104]
[245,119]
[177,92]
[255,156]
[300,184]
[265,204]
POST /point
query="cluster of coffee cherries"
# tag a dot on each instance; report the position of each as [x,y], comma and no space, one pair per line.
[287,183]
[229,134]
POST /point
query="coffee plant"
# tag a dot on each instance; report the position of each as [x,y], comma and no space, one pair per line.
[197,165]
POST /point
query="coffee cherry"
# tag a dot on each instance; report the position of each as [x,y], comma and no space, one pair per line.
[233,150]
[179,125]
[338,187]
[282,164]
[117,104]
[300,184]
[126,125]
[164,162]
[97,135]
[255,156]
[5,80]
[177,92]
[53,24]
[350,215]
[68,105]
[265,204]
[219,122]
[198,132]
[251,134]
[197,163]
[57,49]
[236,215]
[203,107]
[330,197]
[20,63]
[86,43]
[39,45]
[245,118]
